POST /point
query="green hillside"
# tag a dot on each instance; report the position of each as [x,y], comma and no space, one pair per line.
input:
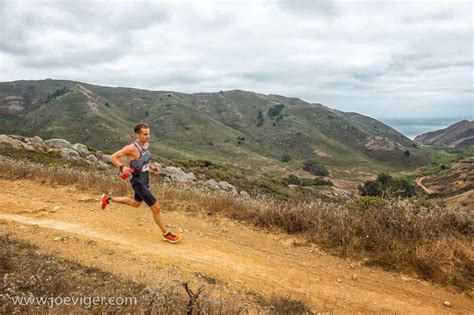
[251,132]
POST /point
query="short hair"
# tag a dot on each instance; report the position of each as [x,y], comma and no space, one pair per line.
[141,126]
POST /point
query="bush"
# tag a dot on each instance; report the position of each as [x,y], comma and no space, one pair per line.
[294,180]
[315,167]
[422,202]
[195,163]
[275,110]
[386,186]
[371,188]
[285,158]
[57,93]
[260,118]
[384,178]
[362,204]
[322,182]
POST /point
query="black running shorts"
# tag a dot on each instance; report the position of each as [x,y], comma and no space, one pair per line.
[143,193]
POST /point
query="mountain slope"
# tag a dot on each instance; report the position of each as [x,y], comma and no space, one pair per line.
[380,128]
[247,130]
[459,134]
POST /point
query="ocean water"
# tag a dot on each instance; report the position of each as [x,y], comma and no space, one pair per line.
[412,127]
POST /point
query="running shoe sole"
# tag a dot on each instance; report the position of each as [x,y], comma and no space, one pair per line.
[105,199]
[171,241]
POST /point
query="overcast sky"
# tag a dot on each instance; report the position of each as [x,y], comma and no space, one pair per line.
[380,58]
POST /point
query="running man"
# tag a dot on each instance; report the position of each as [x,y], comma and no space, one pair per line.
[138,156]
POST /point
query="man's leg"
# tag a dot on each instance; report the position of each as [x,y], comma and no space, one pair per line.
[144,194]
[156,210]
[127,201]
[167,235]
[136,202]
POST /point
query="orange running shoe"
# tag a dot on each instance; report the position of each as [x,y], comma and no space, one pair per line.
[170,237]
[105,201]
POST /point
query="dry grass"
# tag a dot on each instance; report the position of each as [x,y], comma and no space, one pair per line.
[27,273]
[399,234]
[99,180]
[435,242]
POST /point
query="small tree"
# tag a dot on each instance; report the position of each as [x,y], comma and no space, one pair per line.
[260,118]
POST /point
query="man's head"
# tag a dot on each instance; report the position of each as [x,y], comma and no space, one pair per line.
[142,132]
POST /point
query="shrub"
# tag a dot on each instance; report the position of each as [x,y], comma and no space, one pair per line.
[315,167]
[364,203]
[384,178]
[422,202]
[293,180]
[322,182]
[187,164]
[260,118]
[371,188]
[57,93]
[275,110]
[387,186]
[285,158]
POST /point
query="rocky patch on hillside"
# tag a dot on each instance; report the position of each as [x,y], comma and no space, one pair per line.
[80,152]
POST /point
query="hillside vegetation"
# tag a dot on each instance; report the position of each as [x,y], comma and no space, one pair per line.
[249,132]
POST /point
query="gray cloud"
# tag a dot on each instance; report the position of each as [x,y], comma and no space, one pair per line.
[310,8]
[73,34]
[375,58]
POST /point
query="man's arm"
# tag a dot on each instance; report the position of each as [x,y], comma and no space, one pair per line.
[114,158]
[155,168]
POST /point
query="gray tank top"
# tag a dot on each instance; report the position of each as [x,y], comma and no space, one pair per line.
[141,165]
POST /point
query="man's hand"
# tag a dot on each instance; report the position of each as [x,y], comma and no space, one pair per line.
[127,170]
[155,169]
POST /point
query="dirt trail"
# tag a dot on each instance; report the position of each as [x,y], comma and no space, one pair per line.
[419,182]
[125,241]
